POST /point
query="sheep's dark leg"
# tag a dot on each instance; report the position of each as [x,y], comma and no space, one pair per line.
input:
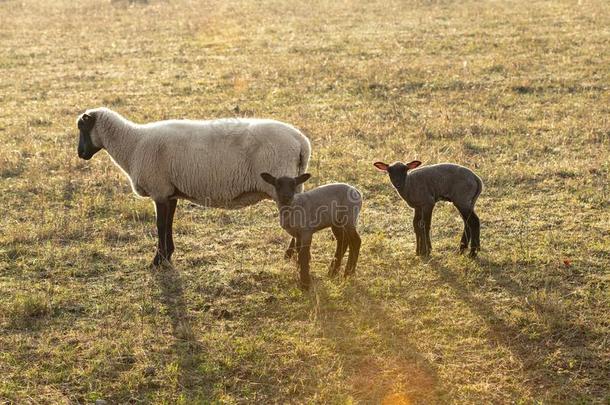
[354,250]
[291,249]
[171,209]
[303,248]
[427,220]
[341,238]
[475,226]
[417,221]
[162,209]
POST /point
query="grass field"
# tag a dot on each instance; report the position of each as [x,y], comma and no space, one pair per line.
[518,90]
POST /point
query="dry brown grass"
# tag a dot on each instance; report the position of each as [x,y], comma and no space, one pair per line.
[517,90]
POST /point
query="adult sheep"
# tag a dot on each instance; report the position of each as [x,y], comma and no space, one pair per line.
[214,163]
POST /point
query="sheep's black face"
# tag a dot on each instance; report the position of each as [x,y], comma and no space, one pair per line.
[86,147]
[285,187]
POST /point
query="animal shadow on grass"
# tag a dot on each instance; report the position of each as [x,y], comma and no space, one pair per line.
[535,345]
[380,362]
[188,349]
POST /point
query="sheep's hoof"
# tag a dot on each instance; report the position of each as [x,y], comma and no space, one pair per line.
[473,253]
[305,284]
[463,249]
[349,273]
[424,255]
[160,259]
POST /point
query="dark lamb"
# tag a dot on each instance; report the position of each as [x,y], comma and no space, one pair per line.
[334,206]
[424,187]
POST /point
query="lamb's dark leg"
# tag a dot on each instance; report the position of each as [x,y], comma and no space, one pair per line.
[354,250]
[475,226]
[170,224]
[418,234]
[291,249]
[341,238]
[303,248]
[162,209]
[427,219]
[467,234]
[464,241]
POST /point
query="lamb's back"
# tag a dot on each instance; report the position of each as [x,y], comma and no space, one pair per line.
[443,181]
[339,193]
[331,204]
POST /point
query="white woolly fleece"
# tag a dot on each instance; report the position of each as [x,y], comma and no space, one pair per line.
[215,163]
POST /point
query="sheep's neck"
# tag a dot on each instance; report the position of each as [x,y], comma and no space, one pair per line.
[120,140]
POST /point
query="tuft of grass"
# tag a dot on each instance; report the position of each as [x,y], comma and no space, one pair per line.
[25,310]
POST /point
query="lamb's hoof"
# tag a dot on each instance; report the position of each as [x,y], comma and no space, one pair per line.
[289,253]
[333,270]
[305,284]
[462,249]
[473,253]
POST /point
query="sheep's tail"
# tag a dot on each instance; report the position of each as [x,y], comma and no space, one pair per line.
[304,155]
[479,190]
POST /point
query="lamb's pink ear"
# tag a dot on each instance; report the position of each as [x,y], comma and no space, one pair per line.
[382,167]
[413,164]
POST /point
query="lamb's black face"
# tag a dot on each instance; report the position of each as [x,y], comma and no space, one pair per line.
[285,187]
[397,171]
[86,147]
[398,174]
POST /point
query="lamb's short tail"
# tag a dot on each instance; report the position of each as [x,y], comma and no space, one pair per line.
[479,190]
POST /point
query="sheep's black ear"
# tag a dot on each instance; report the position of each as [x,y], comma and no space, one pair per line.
[382,167]
[302,178]
[413,164]
[86,122]
[268,178]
